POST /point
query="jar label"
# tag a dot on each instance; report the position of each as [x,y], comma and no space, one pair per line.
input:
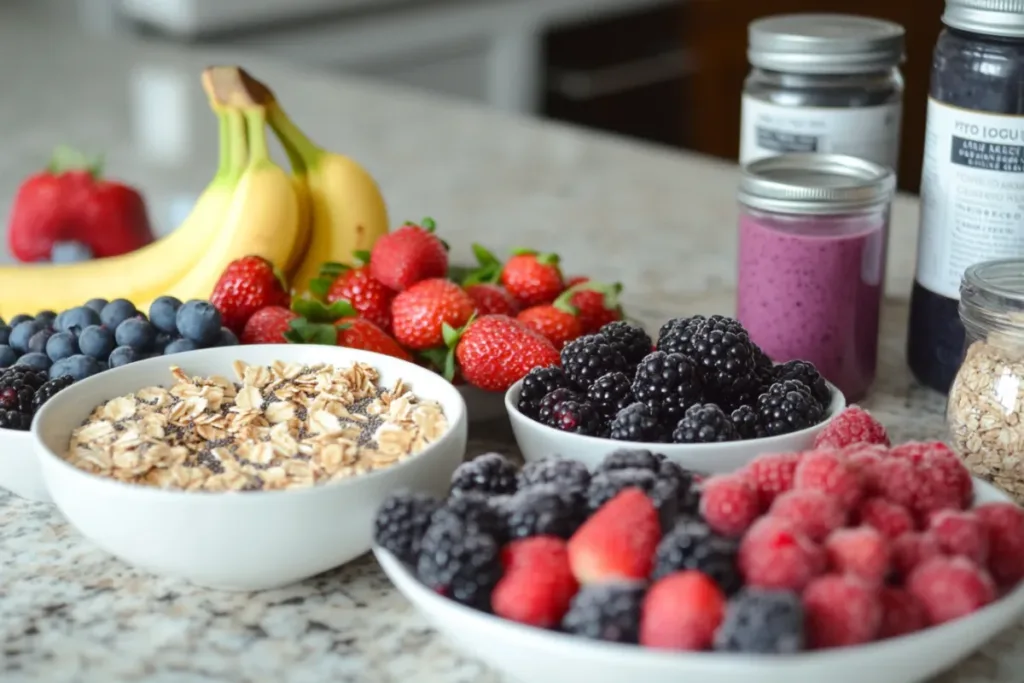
[871,133]
[972,194]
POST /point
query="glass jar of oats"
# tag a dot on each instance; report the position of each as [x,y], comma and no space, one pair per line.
[986,403]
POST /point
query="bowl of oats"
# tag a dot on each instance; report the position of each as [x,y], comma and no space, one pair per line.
[246,468]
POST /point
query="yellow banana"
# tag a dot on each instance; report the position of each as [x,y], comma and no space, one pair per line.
[263,218]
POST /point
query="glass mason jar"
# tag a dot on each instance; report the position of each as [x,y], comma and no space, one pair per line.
[985,411]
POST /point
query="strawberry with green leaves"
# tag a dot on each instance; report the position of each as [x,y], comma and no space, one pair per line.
[247,285]
[370,297]
[493,352]
[268,325]
[492,299]
[558,321]
[411,254]
[531,277]
[596,304]
[339,325]
[419,314]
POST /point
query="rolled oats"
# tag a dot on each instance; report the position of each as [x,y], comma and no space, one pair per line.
[280,426]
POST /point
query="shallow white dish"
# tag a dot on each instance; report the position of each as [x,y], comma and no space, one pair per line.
[538,441]
[533,655]
[237,541]
[19,468]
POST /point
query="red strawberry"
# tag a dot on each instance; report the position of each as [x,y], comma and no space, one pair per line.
[618,541]
[370,298]
[496,351]
[357,333]
[492,299]
[268,326]
[557,322]
[682,612]
[538,584]
[532,278]
[576,280]
[419,314]
[596,304]
[247,285]
[409,255]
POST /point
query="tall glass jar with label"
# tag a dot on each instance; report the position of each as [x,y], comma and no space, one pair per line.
[972,180]
[827,83]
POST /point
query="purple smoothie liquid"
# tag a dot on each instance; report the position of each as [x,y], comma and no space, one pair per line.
[810,288]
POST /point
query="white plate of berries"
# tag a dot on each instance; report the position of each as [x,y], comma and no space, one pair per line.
[850,562]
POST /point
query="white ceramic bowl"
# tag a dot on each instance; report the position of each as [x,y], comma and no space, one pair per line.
[537,441]
[533,655]
[19,468]
[237,541]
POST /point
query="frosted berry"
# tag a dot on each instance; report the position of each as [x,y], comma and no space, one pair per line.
[912,549]
[729,504]
[890,519]
[828,472]
[814,513]
[841,610]
[682,612]
[772,474]
[774,555]
[902,613]
[762,622]
[861,551]
[1004,526]
[960,533]
[852,426]
[950,588]
[490,474]
[606,611]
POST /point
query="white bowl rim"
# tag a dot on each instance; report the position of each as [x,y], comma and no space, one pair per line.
[606,649]
[837,405]
[125,488]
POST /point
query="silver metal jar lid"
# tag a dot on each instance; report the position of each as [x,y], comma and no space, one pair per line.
[815,184]
[825,44]
[989,17]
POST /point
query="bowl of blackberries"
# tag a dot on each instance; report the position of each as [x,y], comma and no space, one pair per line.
[703,391]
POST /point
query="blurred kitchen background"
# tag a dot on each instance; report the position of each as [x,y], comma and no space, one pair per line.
[666,71]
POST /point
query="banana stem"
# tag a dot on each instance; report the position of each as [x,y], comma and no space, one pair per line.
[238,143]
[292,139]
[256,124]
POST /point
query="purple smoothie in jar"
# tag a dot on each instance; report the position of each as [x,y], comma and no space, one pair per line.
[812,252]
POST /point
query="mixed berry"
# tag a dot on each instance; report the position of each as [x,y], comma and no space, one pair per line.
[22,392]
[703,381]
[851,542]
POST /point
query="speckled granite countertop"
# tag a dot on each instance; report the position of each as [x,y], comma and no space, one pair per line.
[656,220]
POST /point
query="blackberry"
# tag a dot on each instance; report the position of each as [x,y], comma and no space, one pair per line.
[704,423]
[668,384]
[567,475]
[663,492]
[724,356]
[762,622]
[802,371]
[489,474]
[546,510]
[577,417]
[764,369]
[589,357]
[636,422]
[631,341]
[401,521]
[547,404]
[537,384]
[747,423]
[30,377]
[606,611]
[12,419]
[611,393]
[459,561]
[691,544]
[51,387]
[474,509]
[17,394]
[674,336]
[628,459]
[787,407]
[685,481]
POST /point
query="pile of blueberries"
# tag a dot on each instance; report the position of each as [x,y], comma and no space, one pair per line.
[85,340]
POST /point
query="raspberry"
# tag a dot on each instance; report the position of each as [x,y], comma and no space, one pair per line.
[950,588]
[811,512]
[902,613]
[863,458]
[852,426]
[960,533]
[772,475]
[538,585]
[729,504]
[891,520]
[943,481]
[912,549]
[682,612]
[893,479]
[861,552]
[826,471]
[1004,526]
[841,610]
[774,554]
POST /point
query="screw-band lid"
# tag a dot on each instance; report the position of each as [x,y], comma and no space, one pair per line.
[825,44]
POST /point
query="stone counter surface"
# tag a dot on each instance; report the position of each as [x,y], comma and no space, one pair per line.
[659,221]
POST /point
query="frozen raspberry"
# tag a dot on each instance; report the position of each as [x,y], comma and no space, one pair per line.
[772,475]
[853,425]
[1004,526]
[828,472]
[960,533]
[912,549]
[812,512]
[682,612]
[774,554]
[729,504]
[943,481]
[538,584]
[863,457]
[950,588]
[862,552]
[894,480]
[841,610]
[902,613]
[891,520]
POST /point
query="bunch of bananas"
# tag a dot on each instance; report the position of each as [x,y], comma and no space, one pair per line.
[327,209]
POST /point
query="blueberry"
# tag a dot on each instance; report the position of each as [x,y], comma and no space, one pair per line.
[35,360]
[96,304]
[8,356]
[116,312]
[61,345]
[5,334]
[122,355]
[20,318]
[96,341]
[138,334]
[77,319]
[199,321]
[46,317]
[227,338]
[37,342]
[162,340]
[162,314]
[59,368]
[103,365]
[78,366]
[21,333]
[141,316]
[179,346]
